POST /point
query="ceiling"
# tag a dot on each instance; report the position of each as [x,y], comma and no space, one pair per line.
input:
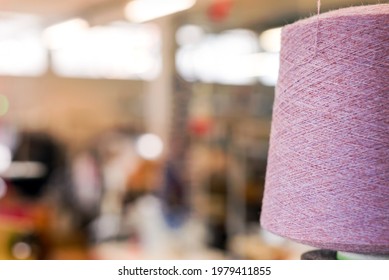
[49,8]
[243,13]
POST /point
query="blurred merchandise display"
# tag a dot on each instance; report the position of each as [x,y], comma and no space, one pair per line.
[24,209]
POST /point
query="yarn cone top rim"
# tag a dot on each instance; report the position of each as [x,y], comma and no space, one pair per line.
[370,10]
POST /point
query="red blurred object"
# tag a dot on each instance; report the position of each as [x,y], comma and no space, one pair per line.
[219,10]
[200,126]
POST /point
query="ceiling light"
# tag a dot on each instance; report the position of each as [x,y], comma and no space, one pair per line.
[14,24]
[116,51]
[189,35]
[21,50]
[270,40]
[63,33]
[145,10]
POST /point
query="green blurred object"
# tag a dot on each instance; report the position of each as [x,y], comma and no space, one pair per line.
[4,105]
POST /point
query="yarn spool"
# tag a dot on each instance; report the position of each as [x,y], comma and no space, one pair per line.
[327,181]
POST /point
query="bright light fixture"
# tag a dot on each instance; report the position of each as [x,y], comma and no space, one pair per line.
[270,40]
[145,10]
[63,33]
[21,50]
[149,146]
[116,51]
[219,58]
[264,66]
[189,35]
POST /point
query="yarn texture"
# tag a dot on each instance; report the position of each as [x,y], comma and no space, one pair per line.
[327,181]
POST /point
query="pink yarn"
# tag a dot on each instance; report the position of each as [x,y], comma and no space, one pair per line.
[327,183]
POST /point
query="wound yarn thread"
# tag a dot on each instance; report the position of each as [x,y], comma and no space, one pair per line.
[327,181]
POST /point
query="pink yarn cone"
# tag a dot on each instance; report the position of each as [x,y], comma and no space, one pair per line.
[327,182]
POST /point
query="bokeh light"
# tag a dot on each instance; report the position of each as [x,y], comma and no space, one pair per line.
[149,146]
[21,251]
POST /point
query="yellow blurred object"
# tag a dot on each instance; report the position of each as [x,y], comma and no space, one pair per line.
[252,248]
[144,178]
[24,229]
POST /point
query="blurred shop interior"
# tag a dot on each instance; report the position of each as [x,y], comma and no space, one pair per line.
[139,129]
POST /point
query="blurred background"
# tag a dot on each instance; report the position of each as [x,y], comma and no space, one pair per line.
[139,130]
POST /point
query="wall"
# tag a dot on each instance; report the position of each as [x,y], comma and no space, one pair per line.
[74,110]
